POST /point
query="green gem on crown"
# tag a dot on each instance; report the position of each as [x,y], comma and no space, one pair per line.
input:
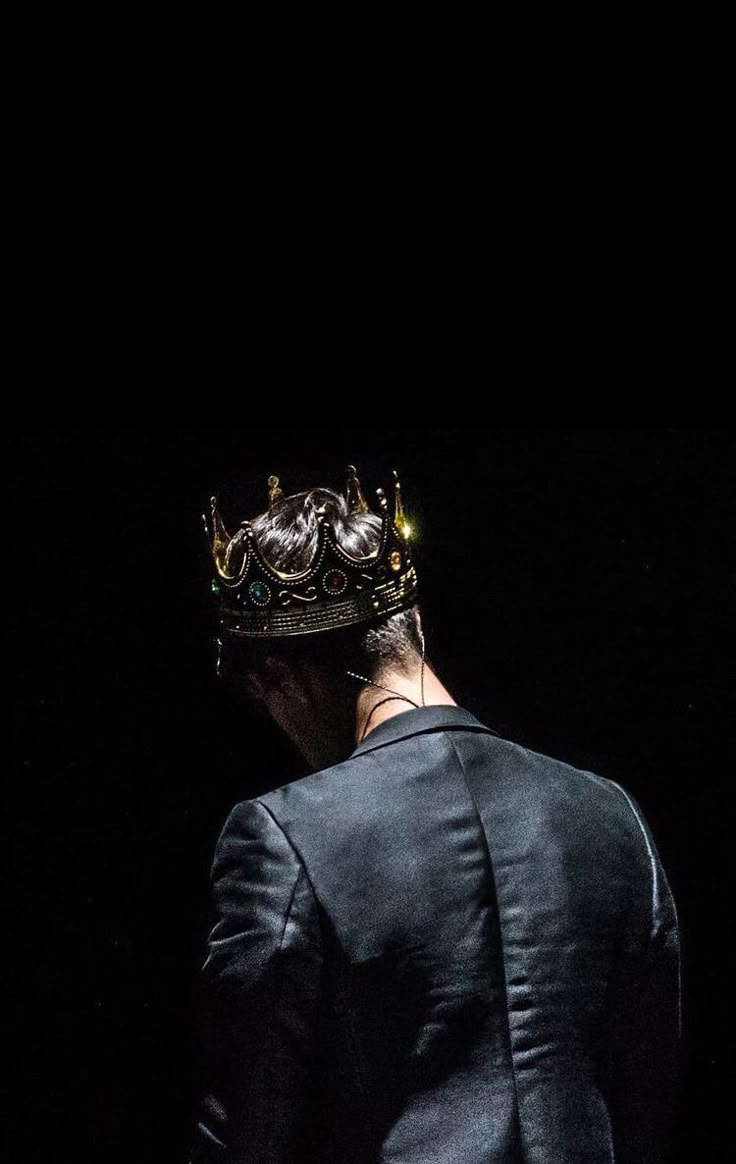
[259,593]
[215,586]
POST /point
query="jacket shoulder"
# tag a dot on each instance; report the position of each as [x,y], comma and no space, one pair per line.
[523,768]
[588,797]
[529,767]
[315,788]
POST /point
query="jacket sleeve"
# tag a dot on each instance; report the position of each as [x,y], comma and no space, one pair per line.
[259,993]
[643,1068]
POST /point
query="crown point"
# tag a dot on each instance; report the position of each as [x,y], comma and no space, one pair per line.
[400,519]
[274,492]
[354,494]
[218,534]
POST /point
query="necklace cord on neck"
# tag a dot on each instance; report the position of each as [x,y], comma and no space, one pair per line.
[394,694]
[387,699]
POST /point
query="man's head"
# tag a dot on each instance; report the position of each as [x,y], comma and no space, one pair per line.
[302,680]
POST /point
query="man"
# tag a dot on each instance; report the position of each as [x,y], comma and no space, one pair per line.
[438,946]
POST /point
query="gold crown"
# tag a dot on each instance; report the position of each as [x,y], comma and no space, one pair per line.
[255,600]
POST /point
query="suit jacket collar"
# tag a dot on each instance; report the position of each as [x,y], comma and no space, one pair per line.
[433,717]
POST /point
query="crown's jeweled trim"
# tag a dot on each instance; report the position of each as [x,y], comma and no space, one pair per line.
[386,599]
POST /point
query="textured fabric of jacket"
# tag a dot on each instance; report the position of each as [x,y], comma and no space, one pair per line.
[447,948]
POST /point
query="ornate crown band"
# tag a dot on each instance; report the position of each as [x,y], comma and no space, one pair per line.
[255,600]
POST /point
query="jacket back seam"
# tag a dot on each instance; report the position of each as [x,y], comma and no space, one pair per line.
[500,935]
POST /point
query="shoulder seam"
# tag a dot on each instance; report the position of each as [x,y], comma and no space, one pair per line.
[652,862]
[300,860]
[290,905]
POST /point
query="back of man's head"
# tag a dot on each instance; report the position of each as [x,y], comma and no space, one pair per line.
[286,535]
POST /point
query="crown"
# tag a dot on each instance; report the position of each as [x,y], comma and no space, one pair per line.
[336,589]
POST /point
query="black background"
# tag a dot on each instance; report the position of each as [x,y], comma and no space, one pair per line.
[577,594]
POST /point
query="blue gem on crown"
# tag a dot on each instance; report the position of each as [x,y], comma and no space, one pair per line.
[259,593]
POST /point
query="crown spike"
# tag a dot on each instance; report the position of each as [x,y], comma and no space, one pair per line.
[354,494]
[274,493]
[402,524]
[217,535]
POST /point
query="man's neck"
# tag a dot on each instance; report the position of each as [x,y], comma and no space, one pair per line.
[409,686]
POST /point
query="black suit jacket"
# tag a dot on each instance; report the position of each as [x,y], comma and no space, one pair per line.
[445,948]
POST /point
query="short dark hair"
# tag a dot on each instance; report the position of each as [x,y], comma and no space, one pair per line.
[286,536]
